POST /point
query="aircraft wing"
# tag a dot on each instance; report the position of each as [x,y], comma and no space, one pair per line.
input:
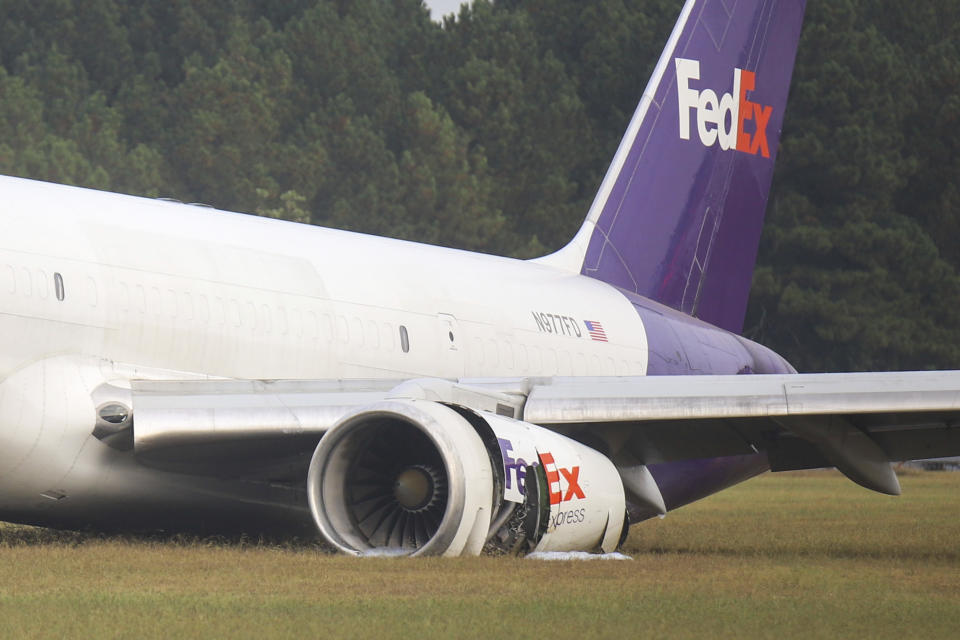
[858,422]
[250,428]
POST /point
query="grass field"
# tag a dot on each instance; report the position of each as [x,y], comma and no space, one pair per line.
[785,555]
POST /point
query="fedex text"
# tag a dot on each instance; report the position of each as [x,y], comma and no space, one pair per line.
[721,120]
[569,488]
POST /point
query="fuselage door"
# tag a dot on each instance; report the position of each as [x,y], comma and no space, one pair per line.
[450,345]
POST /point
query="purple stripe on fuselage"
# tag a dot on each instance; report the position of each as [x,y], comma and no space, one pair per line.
[679,345]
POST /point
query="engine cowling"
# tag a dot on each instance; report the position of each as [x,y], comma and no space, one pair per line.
[419,477]
[406,476]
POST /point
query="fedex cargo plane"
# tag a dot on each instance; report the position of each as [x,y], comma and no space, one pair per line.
[166,366]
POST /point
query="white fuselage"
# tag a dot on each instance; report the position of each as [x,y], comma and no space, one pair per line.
[184,288]
[152,289]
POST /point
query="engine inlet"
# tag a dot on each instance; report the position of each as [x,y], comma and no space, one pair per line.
[402,477]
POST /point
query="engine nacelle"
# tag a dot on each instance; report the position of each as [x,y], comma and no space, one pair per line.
[406,476]
[577,490]
[422,478]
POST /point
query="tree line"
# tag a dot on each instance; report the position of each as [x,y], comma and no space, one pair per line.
[491,132]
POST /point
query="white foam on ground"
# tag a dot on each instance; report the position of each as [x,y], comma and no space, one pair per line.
[576,555]
[384,553]
[537,555]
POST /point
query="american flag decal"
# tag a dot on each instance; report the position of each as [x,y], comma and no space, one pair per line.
[596,331]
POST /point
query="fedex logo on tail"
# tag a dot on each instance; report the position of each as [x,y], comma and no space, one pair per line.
[721,120]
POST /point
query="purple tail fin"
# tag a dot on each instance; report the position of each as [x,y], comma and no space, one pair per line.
[679,213]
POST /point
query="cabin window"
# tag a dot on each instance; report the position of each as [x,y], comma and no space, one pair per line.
[536,365]
[386,336]
[154,301]
[235,319]
[356,330]
[343,331]
[595,367]
[296,322]
[477,351]
[327,328]
[565,366]
[187,305]
[373,336]
[124,295]
[580,365]
[140,298]
[11,279]
[58,286]
[171,303]
[92,293]
[506,355]
[265,321]
[550,362]
[203,309]
[219,311]
[26,284]
[491,354]
[404,339]
[41,277]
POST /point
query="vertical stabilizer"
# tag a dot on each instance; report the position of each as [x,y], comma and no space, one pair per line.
[679,213]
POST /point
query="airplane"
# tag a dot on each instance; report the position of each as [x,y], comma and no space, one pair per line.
[174,367]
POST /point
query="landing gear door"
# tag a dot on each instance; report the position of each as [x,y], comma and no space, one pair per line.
[451,346]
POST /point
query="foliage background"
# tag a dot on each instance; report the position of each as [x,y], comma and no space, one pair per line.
[491,132]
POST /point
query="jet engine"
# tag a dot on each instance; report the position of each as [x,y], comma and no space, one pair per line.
[417,477]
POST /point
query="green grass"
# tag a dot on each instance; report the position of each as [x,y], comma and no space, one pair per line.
[792,555]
